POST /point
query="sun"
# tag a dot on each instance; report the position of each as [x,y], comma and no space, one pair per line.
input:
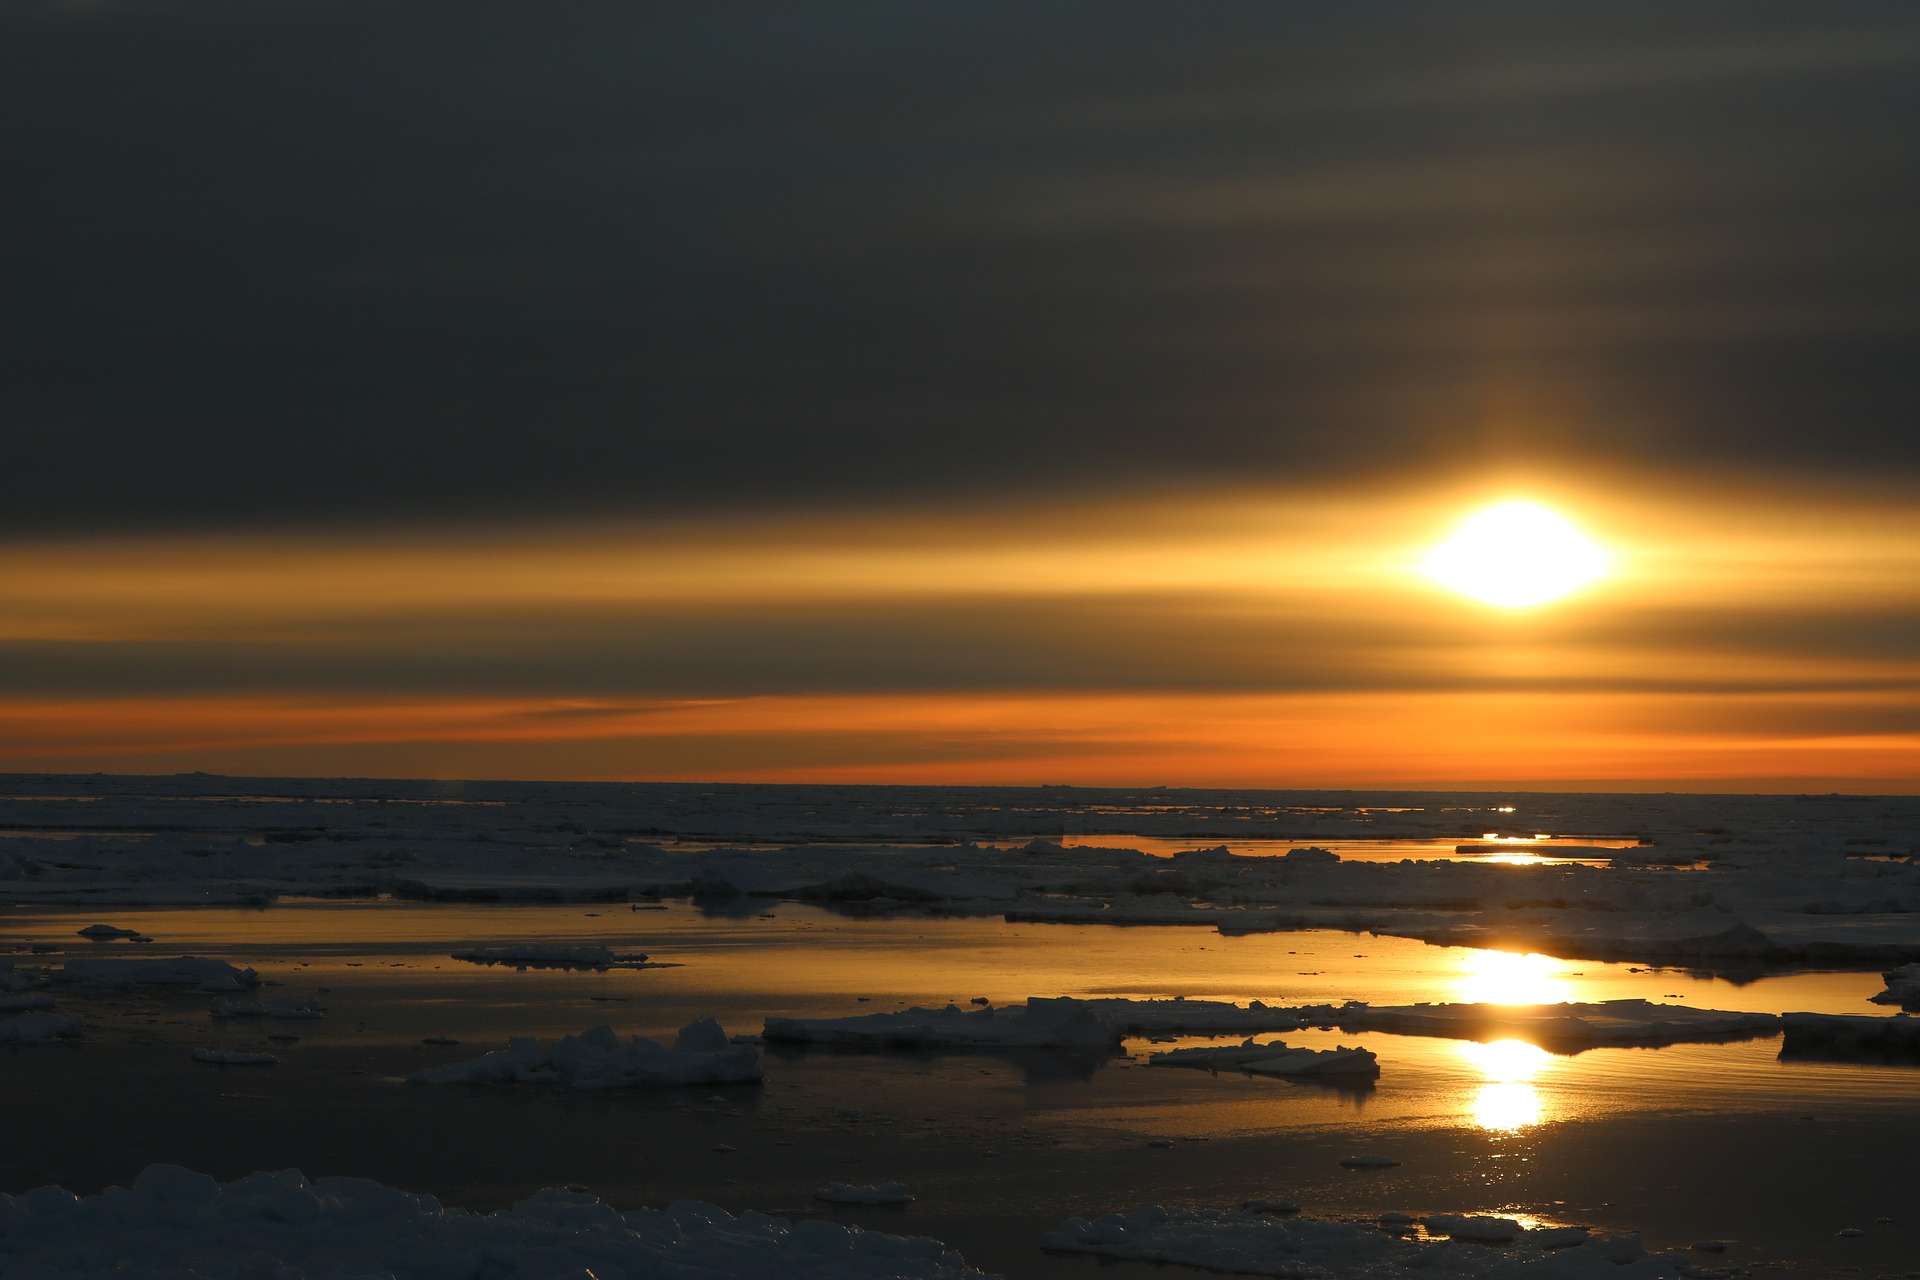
[1516,555]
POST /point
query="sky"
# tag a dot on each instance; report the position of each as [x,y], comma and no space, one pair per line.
[985,392]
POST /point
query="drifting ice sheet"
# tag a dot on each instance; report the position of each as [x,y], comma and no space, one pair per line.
[1038,1024]
[278,1007]
[176,1222]
[546,956]
[1311,1249]
[1273,1059]
[598,1059]
[1607,1022]
[178,971]
[1897,1033]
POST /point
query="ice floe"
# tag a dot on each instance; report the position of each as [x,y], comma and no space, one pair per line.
[1038,1024]
[39,1028]
[549,956]
[176,1222]
[109,933]
[278,1007]
[1259,1244]
[1635,1022]
[1897,1034]
[599,1059]
[1903,987]
[180,971]
[1274,1059]
[30,1000]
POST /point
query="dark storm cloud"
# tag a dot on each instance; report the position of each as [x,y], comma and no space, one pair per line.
[325,262]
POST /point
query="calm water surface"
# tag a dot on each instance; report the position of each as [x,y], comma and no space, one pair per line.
[1684,1143]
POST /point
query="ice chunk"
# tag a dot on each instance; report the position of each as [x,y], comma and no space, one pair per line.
[1048,1024]
[1365,1161]
[32,1000]
[847,1193]
[598,1059]
[1474,1227]
[278,1007]
[1274,1059]
[179,971]
[174,1222]
[107,933]
[1570,1025]
[39,1028]
[550,956]
[1903,987]
[235,1058]
[1897,1034]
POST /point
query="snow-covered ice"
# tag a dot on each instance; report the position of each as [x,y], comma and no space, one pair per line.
[1840,1032]
[1903,987]
[30,1000]
[1561,1025]
[179,971]
[848,1193]
[552,956]
[1274,1059]
[179,1223]
[1258,1244]
[108,933]
[39,1028]
[599,1059]
[277,1007]
[1038,1024]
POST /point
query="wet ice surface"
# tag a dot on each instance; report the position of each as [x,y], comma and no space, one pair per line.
[999,1143]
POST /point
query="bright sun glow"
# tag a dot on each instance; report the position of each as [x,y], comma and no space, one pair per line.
[1502,977]
[1516,554]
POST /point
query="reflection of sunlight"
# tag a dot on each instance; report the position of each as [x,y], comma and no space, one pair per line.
[1502,977]
[1506,1108]
[1507,1102]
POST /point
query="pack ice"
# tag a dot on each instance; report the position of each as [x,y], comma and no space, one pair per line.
[599,1059]
[1257,1244]
[1637,1022]
[39,1028]
[180,971]
[173,1222]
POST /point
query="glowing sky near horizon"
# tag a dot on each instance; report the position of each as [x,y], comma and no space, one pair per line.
[1463,395]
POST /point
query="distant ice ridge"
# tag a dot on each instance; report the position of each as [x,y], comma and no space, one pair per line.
[180,971]
[1565,1025]
[1274,1059]
[1258,1244]
[599,1059]
[180,1223]
[39,1028]
[1038,1024]
[548,956]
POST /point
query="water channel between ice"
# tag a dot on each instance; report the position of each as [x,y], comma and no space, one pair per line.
[1683,1143]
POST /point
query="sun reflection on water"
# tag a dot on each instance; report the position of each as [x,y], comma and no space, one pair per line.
[1508,1101]
[1504,977]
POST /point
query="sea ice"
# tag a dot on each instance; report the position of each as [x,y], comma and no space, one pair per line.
[1903,987]
[548,956]
[278,1007]
[179,971]
[1242,1243]
[1845,1032]
[178,1223]
[598,1059]
[1038,1024]
[1563,1025]
[32,1000]
[847,1193]
[107,933]
[1274,1059]
[38,1028]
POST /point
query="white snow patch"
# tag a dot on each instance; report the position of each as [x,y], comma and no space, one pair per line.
[598,1059]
